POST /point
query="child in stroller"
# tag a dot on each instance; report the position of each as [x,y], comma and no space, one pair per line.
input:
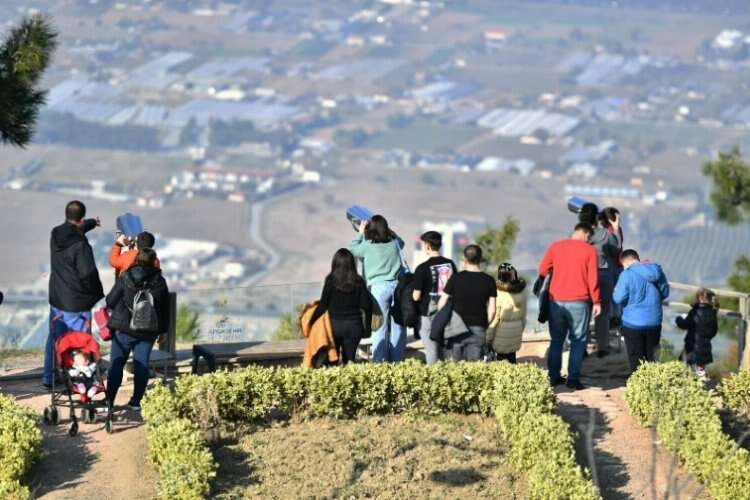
[77,359]
[82,374]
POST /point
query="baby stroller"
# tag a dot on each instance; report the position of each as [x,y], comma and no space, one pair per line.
[65,346]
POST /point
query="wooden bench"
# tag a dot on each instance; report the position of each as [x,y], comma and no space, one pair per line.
[276,352]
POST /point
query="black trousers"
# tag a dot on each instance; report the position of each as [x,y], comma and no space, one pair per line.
[510,357]
[641,344]
[347,333]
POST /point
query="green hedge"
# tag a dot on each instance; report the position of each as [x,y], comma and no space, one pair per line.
[20,447]
[670,398]
[185,464]
[735,391]
[519,396]
[256,394]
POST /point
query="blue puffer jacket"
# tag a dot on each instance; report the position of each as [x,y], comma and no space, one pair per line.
[641,289]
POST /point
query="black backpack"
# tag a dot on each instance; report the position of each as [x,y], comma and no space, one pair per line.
[541,290]
[143,315]
[405,310]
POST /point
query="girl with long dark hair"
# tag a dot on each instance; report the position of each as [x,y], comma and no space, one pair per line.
[345,297]
[380,251]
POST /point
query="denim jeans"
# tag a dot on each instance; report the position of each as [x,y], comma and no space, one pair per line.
[61,322]
[568,319]
[122,344]
[388,341]
[471,346]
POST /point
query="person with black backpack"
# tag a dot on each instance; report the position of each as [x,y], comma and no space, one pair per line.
[430,278]
[139,305]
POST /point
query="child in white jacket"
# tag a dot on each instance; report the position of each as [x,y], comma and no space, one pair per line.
[506,330]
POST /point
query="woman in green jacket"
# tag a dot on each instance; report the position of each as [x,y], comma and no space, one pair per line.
[380,251]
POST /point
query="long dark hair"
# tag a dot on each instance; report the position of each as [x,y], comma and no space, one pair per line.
[377,230]
[344,275]
[607,216]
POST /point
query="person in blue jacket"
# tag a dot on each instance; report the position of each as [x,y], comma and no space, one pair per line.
[640,290]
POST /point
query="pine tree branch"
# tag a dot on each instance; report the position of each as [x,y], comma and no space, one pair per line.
[24,55]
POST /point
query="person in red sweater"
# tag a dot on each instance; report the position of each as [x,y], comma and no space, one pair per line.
[121,260]
[574,298]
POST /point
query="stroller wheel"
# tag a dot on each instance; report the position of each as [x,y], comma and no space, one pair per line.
[45,417]
[109,426]
[91,416]
[73,428]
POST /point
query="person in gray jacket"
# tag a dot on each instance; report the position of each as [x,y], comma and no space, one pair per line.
[608,246]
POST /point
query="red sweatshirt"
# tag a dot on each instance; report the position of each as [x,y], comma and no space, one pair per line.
[575,271]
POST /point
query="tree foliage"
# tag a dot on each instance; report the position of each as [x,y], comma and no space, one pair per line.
[188,324]
[24,55]
[740,278]
[730,176]
[497,244]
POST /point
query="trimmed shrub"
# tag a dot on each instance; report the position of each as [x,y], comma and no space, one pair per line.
[670,398]
[735,391]
[519,396]
[176,447]
[20,447]
[256,394]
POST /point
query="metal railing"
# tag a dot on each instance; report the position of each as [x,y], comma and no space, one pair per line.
[265,312]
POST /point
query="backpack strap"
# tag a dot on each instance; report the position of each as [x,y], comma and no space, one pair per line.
[404,263]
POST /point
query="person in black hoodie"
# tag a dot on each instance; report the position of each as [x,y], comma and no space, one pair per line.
[608,244]
[702,325]
[121,301]
[345,298]
[74,285]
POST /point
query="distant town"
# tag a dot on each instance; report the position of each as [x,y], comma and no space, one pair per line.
[275,111]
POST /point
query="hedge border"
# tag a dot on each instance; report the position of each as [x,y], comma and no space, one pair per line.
[671,399]
[184,462]
[519,396]
[20,447]
[735,392]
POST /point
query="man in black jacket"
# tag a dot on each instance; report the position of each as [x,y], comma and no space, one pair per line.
[74,285]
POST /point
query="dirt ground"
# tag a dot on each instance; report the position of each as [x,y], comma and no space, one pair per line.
[450,456]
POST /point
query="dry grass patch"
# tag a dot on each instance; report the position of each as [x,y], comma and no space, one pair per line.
[451,456]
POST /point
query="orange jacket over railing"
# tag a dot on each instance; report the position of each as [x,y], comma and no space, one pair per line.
[122,261]
[319,336]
